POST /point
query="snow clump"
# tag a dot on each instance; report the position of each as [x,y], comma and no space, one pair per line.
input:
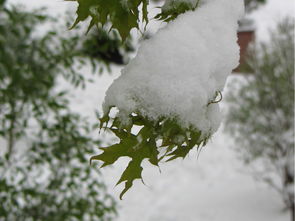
[177,73]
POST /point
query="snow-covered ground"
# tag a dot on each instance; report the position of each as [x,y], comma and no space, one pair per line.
[214,187]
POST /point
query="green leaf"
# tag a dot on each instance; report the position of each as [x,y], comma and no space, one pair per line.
[132,172]
[111,154]
[123,17]
[153,157]
[181,151]
[171,9]
[176,141]
[83,10]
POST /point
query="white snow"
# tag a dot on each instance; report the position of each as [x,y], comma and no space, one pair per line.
[178,71]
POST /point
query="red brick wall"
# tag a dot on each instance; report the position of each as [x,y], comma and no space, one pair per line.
[244,38]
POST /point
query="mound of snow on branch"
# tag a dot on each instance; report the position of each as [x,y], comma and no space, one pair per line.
[177,73]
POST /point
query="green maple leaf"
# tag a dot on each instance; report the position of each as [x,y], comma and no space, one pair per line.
[143,145]
[172,9]
[123,16]
[111,154]
[83,10]
[181,151]
[176,141]
[131,173]
[136,147]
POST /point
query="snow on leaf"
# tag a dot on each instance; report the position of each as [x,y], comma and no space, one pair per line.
[173,101]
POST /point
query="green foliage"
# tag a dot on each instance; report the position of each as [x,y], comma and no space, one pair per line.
[52,180]
[124,15]
[171,9]
[261,113]
[106,47]
[164,139]
[44,170]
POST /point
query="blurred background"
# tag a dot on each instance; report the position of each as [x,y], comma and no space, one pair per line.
[52,85]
